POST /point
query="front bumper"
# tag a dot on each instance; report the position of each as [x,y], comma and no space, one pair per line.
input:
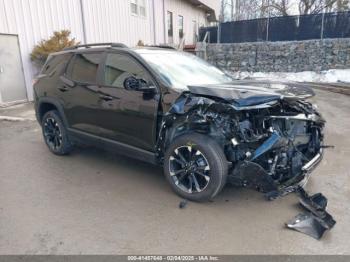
[251,174]
[310,166]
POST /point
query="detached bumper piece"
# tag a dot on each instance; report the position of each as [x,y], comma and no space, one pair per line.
[316,221]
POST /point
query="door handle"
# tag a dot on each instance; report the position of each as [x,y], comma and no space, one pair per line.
[63,88]
[106,98]
[1,69]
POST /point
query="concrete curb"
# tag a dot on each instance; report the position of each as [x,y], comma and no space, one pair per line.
[340,88]
[15,119]
[16,103]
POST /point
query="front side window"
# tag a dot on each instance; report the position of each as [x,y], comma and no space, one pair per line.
[121,68]
[84,67]
[181,26]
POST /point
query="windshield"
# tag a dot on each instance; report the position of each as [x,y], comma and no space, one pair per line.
[180,69]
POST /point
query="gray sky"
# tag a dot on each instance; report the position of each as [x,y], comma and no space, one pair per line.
[294,10]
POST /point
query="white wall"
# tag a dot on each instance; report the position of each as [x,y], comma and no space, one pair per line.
[34,20]
[112,21]
[105,21]
[190,14]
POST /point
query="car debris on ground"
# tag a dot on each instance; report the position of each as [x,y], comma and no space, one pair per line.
[316,220]
[183,204]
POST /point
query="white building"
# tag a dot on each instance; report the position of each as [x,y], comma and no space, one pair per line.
[23,23]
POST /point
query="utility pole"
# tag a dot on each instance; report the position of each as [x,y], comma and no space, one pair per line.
[268,20]
[237,9]
[232,10]
[222,13]
[323,14]
[83,21]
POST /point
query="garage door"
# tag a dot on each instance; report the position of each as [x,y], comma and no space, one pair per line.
[12,84]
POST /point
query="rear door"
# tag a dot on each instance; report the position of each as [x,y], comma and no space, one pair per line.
[79,91]
[127,115]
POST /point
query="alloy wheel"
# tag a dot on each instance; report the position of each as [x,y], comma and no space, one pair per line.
[189,169]
[52,133]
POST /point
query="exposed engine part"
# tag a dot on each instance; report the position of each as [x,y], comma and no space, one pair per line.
[253,175]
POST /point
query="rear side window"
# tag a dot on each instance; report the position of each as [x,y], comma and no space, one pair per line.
[84,67]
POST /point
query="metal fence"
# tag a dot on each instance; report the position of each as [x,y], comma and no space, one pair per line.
[286,28]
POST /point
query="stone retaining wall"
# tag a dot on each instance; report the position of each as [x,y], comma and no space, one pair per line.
[311,55]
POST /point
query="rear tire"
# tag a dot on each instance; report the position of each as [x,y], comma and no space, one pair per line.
[55,134]
[196,167]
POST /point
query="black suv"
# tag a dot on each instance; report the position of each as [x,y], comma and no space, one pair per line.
[174,109]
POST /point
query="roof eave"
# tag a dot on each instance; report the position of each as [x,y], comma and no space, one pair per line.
[211,13]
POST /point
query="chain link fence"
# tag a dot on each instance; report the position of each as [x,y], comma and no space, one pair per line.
[286,28]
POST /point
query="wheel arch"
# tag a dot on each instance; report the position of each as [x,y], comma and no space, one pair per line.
[180,125]
[47,104]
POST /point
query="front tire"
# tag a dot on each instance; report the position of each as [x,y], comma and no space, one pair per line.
[55,134]
[196,167]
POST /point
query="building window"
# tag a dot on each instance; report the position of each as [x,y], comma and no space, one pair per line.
[133,6]
[195,31]
[170,27]
[142,7]
[138,7]
[181,26]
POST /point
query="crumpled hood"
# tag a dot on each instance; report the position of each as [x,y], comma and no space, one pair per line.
[246,93]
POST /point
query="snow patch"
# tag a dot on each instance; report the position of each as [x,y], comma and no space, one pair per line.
[330,76]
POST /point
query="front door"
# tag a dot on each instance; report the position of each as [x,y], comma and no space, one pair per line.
[127,115]
[12,84]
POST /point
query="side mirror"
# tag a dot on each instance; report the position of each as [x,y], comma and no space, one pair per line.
[132,83]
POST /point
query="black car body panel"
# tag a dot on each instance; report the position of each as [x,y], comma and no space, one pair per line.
[271,136]
[251,93]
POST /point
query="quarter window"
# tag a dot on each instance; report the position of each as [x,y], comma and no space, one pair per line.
[119,67]
[83,68]
[55,64]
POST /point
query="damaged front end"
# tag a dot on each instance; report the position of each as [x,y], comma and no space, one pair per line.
[271,145]
[271,142]
[276,148]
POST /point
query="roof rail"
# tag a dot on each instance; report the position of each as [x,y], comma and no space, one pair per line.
[162,46]
[120,45]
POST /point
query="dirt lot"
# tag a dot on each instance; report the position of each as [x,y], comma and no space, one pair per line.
[92,202]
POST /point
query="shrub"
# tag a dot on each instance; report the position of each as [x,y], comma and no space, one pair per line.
[57,42]
[140,43]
